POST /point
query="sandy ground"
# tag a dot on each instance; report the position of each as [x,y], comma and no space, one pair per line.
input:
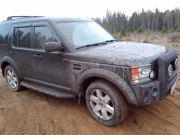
[32,113]
[154,38]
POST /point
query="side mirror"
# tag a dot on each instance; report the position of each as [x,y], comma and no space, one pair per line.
[53,46]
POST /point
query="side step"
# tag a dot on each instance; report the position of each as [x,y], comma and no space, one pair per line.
[46,90]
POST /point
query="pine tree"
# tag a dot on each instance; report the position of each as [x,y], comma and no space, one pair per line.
[123,32]
[140,29]
[164,30]
[145,20]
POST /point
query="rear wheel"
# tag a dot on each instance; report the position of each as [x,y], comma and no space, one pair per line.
[12,79]
[105,103]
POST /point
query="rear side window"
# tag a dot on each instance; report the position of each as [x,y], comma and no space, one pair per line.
[21,37]
[42,36]
[4,31]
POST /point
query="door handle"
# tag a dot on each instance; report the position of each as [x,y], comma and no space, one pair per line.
[37,55]
[12,52]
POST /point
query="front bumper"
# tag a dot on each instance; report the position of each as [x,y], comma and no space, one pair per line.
[148,93]
[151,92]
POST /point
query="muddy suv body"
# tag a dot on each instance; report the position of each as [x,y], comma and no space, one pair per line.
[69,57]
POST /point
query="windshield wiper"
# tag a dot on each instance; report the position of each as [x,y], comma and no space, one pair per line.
[111,40]
[95,44]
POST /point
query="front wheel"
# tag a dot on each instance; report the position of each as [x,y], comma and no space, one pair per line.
[105,103]
[12,79]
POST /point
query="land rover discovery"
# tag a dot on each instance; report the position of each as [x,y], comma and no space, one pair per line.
[72,57]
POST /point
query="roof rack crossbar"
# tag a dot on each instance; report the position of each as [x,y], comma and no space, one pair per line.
[18,17]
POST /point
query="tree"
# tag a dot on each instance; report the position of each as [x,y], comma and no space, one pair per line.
[145,20]
[98,20]
[164,30]
[175,26]
[114,26]
[123,32]
[140,29]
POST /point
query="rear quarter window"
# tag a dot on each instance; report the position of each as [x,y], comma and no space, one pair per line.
[4,31]
[21,37]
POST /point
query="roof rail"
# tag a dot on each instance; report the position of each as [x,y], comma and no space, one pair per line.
[18,17]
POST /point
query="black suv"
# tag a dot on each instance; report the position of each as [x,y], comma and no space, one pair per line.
[72,57]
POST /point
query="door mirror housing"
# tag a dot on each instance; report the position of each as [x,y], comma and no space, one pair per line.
[53,46]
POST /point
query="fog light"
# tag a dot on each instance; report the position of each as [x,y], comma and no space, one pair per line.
[170,70]
[152,75]
[176,63]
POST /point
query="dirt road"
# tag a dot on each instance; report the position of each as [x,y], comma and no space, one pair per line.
[32,113]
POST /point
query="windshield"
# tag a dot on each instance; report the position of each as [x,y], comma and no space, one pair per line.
[82,34]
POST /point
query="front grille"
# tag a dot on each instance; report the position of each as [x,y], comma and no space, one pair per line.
[163,63]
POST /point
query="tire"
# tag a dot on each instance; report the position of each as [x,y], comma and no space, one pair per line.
[105,103]
[12,79]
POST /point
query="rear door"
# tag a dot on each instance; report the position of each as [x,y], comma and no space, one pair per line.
[21,48]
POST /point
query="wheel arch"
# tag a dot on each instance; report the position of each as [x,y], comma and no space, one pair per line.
[8,61]
[92,75]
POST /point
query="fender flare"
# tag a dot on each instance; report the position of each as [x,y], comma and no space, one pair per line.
[119,82]
[8,60]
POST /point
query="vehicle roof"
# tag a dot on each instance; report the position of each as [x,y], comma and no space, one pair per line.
[52,19]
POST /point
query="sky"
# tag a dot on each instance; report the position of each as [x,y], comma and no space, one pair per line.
[80,8]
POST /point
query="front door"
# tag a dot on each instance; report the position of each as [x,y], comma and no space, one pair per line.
[49,68]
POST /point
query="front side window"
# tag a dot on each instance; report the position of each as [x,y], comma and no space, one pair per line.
[21,37]
[42,36]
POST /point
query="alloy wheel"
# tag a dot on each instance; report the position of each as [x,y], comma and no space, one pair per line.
[11,78]
[102,104]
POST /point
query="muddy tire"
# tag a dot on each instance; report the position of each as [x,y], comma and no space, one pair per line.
[12,79]
[105,103]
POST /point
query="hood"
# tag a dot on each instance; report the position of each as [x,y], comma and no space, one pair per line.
[121,53]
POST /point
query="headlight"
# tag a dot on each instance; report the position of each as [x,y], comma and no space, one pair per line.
[142,74]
